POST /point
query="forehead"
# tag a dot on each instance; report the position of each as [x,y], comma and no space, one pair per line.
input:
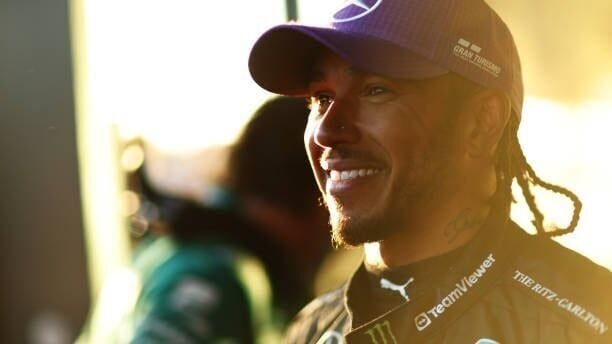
[329,65]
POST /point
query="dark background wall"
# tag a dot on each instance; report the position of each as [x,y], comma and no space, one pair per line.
[43,281]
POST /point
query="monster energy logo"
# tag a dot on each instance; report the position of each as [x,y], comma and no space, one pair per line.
[381,333]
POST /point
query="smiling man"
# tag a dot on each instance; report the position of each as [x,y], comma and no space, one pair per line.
[412,137]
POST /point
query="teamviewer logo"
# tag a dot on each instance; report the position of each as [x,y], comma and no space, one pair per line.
[421,321]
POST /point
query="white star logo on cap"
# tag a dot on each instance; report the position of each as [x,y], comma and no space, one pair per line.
[366,9]
[359,3]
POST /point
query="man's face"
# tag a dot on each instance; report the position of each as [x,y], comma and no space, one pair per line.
[381,149]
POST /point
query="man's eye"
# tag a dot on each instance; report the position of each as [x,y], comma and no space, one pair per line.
[320,102]
[375,90]
[324,99]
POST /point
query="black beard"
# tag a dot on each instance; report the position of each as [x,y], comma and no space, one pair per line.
[428,187]
[394,217]
[348,232]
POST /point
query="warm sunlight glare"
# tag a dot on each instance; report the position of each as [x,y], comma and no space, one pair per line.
[176,72]
[172,72]
[568,146]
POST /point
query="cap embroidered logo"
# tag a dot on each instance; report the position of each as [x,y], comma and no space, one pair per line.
[355,9]
[470,52]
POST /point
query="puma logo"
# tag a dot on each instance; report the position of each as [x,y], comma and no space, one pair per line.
[400,288]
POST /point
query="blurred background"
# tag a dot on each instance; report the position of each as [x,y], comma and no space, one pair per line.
[84,82]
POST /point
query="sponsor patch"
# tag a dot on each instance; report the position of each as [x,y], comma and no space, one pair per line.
[400,288]
[471,53]
[564,303]
[423,320]
[381,333]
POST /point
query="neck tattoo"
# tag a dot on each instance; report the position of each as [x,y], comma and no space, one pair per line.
[467,219]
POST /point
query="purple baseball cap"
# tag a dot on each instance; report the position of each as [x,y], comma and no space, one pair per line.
[408,39]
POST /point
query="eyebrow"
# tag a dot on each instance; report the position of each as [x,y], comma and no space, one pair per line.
[317,74]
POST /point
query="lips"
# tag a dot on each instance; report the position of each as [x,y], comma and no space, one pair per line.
[344,175]
[346,169]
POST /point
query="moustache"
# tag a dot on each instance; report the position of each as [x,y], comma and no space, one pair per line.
[342,153]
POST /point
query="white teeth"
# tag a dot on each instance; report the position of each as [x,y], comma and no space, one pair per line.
[352,174]
[324,165]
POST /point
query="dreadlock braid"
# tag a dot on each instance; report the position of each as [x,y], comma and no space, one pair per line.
[513,165]
[504,168]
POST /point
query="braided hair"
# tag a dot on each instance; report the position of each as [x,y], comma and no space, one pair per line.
[512,165]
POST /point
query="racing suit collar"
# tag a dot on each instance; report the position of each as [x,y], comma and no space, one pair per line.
[433,300]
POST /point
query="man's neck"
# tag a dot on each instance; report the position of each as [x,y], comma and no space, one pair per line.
[431,237]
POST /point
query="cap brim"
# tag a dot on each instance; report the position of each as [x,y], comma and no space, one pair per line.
[281,61]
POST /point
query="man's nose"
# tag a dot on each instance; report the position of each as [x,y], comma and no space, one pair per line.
[337,125]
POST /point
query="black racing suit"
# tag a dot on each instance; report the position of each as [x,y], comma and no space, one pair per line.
[505,286]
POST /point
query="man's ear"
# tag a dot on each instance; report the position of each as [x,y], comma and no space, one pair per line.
[488,115]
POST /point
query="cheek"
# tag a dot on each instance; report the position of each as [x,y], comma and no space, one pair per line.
[313,151]
[309,142]
[407,148]
[400,138]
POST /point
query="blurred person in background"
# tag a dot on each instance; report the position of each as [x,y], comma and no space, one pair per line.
[269,173]
[189,281]
[194,283]
[412,138]
[237,268]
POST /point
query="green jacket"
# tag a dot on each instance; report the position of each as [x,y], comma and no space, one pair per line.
[201,293]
